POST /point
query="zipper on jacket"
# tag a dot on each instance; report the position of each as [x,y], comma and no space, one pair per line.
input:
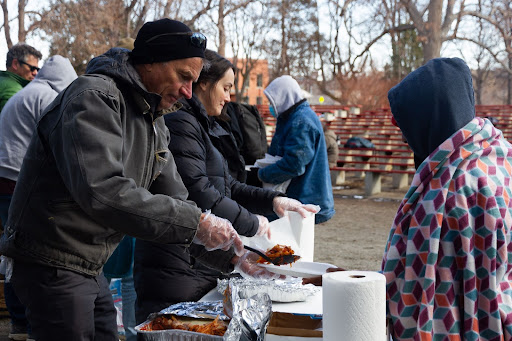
[148,165]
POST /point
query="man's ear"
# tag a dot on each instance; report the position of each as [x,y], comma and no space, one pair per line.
[15,65]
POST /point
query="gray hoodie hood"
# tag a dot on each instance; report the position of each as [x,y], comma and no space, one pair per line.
[57,72]
[282,93]
[22,111]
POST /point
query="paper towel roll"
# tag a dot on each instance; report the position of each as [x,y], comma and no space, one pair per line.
[354,306]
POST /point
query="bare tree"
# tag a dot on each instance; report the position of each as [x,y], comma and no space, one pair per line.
[435,21]
[497,13]
[249,28]
[331,60]
[83,29]
[22,14]
[484,61]
[294,26]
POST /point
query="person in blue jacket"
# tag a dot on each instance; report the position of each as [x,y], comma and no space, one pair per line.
[299,140]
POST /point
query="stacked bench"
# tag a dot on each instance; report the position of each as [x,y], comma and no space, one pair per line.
[391,156]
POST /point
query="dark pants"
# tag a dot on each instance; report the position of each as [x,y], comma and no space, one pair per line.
[13,304]
[15,308]
[65,305]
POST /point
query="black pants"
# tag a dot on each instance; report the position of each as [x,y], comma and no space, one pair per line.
[65,305]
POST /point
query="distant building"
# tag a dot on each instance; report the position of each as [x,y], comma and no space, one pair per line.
[254,84]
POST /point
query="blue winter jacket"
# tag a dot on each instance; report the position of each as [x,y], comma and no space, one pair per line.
[299,140]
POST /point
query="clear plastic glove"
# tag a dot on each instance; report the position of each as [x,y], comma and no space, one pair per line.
[248,267]
[282,204]
[264,227]
[217,233]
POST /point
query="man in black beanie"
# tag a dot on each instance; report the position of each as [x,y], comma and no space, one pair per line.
[98,167]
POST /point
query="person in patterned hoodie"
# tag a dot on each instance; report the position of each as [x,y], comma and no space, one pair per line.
[447,260]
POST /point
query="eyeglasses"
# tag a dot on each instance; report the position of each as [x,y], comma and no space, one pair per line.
[31,67]
[196,39]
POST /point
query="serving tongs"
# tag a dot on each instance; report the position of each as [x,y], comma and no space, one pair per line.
[279,260]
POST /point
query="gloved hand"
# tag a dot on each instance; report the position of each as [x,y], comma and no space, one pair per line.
[282,204]
[248,267]
[217,233]
[264,226]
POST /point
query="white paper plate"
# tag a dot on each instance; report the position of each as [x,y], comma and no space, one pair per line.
[299,269]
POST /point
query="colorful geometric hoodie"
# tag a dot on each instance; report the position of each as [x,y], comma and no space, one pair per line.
[447,261]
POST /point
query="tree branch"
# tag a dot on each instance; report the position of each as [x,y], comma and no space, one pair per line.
[205,10]
[492,53]
[416,16]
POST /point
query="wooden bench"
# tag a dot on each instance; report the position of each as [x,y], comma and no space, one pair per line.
[371,164]
[391,156]
[372,177]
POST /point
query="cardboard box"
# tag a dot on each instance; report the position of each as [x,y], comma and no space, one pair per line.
[292,327]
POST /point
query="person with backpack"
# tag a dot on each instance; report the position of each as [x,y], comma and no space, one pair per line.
[253,137]
[246,125]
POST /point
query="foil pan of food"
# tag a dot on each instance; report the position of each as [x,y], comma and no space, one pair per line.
[289,290]
[250,318]
[186,321]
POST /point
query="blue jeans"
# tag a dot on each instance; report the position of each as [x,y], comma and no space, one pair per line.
[14,306]
[129,296]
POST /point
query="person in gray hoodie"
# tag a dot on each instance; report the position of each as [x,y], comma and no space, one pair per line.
[17,123]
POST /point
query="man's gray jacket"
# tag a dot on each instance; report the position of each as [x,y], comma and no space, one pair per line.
[98,167]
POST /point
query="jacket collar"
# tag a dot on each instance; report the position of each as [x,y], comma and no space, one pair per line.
[20,80]
[289,111]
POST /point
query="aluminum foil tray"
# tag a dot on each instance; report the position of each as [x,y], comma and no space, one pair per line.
[199,310]
[290,290]
[175,335]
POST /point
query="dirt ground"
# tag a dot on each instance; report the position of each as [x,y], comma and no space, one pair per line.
[353,239]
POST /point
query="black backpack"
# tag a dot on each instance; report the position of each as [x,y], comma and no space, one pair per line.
[359,142]
[253,144]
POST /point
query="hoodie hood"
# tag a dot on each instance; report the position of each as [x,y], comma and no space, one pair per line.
[57,72]
[115,63]
[432,103]
[283,93]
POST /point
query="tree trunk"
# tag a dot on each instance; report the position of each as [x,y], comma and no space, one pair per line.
[22,33]
[478,90]
[221,28]
[431,49]
[283,67]
[509,81]
[7,30]
[433,41]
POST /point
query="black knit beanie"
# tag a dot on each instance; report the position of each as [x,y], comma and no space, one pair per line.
[165,39]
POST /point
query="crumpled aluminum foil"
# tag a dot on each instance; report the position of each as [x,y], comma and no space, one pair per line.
[250,316]
[207,310]
[290,290]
